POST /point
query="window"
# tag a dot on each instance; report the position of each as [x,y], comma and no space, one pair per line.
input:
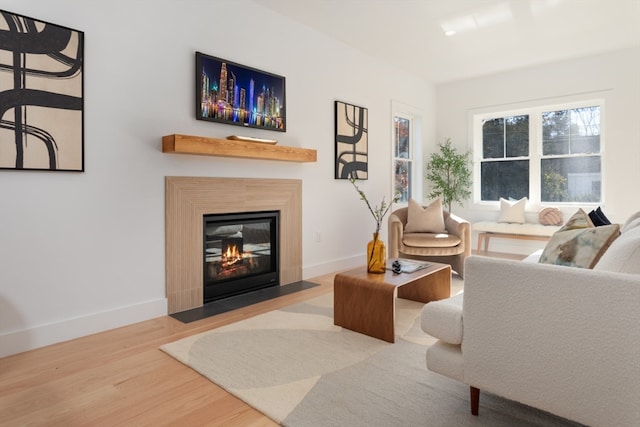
[570,163]
[547,154]
[402,157]
[505,153]
[406,151]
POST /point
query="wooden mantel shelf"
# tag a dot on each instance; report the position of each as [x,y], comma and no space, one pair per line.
[186,144]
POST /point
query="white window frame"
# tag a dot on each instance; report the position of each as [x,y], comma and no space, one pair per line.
[535,147]
[415,149]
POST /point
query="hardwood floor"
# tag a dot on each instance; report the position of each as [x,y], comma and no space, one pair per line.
[121,378]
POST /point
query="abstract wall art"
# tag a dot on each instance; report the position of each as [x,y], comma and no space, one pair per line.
[41,95]
[351,139]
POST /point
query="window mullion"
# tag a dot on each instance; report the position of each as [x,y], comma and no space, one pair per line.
[535,156]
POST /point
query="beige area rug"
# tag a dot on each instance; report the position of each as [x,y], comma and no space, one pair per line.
[298,368]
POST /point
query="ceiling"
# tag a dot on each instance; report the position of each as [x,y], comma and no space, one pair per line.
[492,35]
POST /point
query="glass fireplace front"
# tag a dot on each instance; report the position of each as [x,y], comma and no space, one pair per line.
[240,253]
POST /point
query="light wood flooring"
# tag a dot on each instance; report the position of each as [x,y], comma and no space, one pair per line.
[121,378]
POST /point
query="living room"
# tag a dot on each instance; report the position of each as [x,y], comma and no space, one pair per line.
[119,199]
[85,252]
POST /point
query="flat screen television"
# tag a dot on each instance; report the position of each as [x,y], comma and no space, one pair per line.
[235,94]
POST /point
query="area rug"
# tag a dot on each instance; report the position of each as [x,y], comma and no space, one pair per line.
[298,368]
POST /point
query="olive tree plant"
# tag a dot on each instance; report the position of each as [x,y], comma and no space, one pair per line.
[449,173]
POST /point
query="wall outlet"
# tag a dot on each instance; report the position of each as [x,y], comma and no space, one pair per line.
[318,237]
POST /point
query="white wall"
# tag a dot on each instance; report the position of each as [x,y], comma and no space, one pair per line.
[84,252]
[615,77]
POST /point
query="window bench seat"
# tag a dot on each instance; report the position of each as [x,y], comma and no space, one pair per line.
[526,231]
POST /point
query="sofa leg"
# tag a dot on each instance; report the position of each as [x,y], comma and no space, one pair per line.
[475,400]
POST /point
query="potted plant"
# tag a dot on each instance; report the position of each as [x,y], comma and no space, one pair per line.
[450,175]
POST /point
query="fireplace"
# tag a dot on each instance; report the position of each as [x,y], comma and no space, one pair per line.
[188,199]
[240,253]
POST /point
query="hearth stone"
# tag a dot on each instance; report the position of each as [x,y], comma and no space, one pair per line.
[239,301]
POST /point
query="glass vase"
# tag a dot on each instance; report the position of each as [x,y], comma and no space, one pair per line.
[376,255]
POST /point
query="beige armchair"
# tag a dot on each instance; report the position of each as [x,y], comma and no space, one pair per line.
[450,248]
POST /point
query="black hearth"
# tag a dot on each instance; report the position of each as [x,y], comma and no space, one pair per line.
[240,253]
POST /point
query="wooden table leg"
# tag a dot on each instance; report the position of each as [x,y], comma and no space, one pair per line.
[364,306]
[433,287]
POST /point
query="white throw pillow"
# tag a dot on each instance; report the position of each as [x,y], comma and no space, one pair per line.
[425,220]
[512,212]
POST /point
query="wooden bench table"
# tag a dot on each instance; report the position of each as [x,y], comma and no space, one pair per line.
[527,231]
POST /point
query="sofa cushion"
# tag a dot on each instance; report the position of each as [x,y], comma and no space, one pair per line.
[631,222]
[429,219]
[623,255]
[430,240]
[512,211]
[443,319]
[533,257]
[579,243]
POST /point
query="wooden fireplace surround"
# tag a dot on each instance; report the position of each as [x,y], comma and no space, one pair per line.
[187,199]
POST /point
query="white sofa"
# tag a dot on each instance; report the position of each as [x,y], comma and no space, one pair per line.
[562,339]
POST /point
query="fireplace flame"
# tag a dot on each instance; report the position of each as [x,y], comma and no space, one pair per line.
[231,256]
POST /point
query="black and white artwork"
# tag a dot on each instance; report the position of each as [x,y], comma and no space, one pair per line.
[41,95]
[351,139]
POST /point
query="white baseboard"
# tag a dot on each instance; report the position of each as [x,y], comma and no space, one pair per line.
[333,266]
[52,333]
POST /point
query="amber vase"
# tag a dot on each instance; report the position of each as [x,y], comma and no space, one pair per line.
[376,255]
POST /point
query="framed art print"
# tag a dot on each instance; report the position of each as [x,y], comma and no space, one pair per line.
[351,139]
[41,95]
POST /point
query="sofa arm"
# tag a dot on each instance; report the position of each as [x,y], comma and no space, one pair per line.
[461,228]
[563,339]
[442,319]
[395,230]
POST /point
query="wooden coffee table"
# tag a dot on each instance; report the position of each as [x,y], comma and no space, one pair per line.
[365,302]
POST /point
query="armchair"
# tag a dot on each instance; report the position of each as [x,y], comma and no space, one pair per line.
[450,248]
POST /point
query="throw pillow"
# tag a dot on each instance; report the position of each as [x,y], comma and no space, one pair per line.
[579,243]
[579,220]
[598,217]
[512,211]
[425,220]
[550,216]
